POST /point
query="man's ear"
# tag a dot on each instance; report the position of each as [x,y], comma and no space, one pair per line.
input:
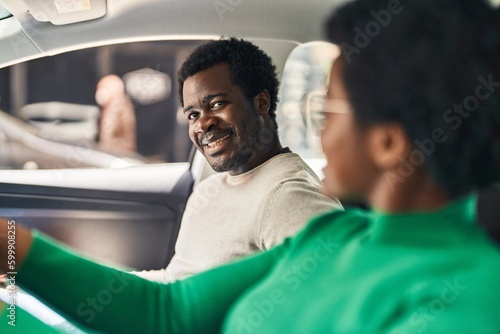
[388,145]
[262,102]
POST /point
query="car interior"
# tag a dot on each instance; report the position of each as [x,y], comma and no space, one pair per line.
[54,176]
[126,209]
[56,179]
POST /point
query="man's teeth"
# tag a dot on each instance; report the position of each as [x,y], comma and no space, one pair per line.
[218,141]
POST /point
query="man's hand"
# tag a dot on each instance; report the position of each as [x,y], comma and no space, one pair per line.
[15,242]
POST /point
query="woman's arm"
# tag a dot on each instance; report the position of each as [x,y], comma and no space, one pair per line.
[114,301]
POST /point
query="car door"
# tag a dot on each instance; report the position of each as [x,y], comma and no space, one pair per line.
[133,223]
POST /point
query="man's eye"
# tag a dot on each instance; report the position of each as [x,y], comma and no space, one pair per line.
[218,104]
[192,116]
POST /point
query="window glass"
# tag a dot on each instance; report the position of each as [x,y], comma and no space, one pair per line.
[54,97]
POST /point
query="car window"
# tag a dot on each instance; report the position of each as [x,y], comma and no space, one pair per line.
[54,97]
[305,75]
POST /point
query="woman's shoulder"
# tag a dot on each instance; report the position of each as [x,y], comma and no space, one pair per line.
[341,225]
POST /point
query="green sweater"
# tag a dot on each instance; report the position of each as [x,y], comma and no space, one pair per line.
[346,272]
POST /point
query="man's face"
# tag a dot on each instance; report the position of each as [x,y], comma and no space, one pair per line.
[223,124]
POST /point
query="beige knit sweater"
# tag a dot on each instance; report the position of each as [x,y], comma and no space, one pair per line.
[228,217]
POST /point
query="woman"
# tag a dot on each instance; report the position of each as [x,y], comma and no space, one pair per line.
[412,127]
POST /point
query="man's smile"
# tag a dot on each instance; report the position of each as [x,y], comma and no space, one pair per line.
[212,143]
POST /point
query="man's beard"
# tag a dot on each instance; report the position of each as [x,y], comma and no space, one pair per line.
[246,149]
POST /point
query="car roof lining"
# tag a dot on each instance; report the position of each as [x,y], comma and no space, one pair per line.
[290,21]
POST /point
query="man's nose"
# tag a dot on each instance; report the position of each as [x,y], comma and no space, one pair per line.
[205,122]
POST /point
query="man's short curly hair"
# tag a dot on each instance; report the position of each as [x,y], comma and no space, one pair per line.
[251,68]
[417,65]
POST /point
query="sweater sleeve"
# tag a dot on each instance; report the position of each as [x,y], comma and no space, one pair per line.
[289,207]
[114,301]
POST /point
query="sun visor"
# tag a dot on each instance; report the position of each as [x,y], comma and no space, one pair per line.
[60,12]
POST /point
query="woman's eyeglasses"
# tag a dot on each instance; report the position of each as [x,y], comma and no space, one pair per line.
[318,106]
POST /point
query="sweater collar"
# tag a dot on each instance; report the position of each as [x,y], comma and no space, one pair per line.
[425,228]
[243,177]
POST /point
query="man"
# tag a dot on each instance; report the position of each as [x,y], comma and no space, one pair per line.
[262,192]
